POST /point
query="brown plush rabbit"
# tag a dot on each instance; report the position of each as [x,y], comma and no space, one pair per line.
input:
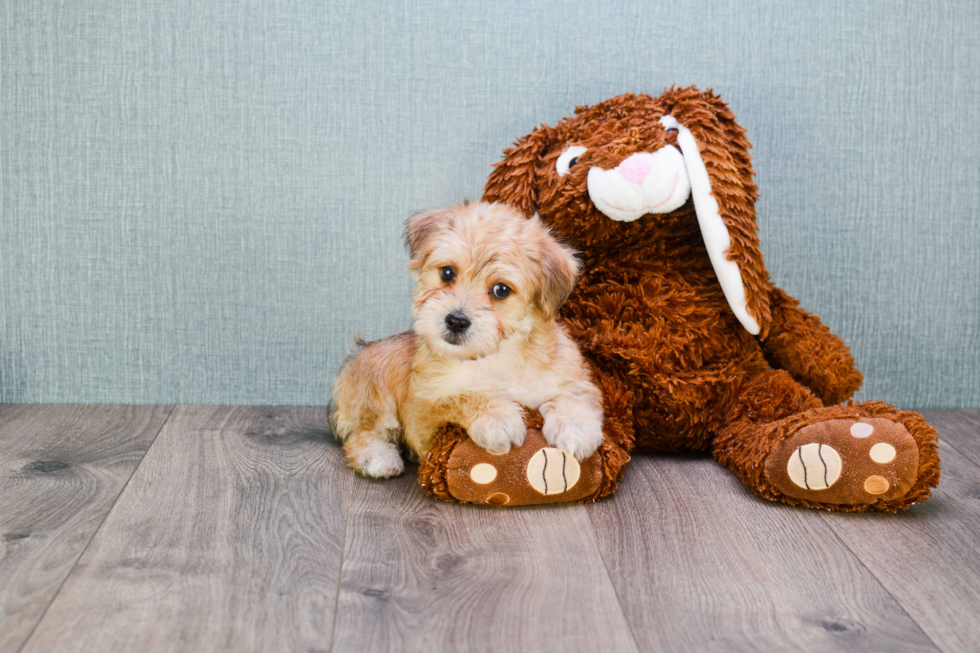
[693,346]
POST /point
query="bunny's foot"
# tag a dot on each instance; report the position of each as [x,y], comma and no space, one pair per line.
[457,469]
[846,461]
[867,456]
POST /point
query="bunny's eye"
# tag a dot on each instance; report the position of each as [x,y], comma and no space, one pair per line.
[568,159]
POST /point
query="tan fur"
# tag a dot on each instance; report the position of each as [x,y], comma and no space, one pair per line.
[400,390]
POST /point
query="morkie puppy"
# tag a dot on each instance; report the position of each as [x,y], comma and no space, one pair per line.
[489,283]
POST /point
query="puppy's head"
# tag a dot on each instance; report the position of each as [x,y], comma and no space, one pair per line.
[484,274]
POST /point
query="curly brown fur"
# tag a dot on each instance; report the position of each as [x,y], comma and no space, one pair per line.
[435,464]
[678,370]
[827,369]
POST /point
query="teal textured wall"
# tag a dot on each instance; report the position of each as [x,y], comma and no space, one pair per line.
[202,201]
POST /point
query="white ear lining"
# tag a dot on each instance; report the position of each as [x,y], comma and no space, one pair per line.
[717,240]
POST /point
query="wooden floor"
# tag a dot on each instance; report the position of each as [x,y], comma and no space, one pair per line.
[154,528]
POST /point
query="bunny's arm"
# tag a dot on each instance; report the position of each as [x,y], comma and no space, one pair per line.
[801,344]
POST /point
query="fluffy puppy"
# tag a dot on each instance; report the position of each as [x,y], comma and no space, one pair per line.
[489,283]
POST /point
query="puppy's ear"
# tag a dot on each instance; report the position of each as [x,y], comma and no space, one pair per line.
[559,270]
[419,230]
[513,178]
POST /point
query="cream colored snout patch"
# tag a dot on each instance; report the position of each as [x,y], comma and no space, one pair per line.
[644,182]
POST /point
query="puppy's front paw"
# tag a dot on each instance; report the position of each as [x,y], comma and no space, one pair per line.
[498,430]
[376,459]
[575,434]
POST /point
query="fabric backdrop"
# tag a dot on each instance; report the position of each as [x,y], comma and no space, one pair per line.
[202,201]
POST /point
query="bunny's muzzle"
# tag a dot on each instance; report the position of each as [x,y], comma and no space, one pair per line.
[644,182]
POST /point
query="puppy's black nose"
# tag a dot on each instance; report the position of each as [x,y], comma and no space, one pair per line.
[457,323]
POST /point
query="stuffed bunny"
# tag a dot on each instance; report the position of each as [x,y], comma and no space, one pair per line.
[693,346]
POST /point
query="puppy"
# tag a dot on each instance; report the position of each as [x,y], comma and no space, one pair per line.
[489,283]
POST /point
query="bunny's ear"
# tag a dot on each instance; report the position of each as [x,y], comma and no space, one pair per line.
[716,156]
[512,180]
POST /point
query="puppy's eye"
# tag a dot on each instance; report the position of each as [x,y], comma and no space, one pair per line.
[447,274]
[500,290]
[568,159]
[672,131]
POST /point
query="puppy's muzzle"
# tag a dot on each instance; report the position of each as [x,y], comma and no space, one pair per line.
[457,323]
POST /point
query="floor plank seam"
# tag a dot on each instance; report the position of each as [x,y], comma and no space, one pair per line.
[605,567]
[887,591]
[170,411]
[343,555]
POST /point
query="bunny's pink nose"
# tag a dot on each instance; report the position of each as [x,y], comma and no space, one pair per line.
[636,167]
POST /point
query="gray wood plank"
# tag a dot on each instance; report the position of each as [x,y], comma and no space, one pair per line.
[228,537]
[61,470]
[423,575]
[959,428]
[929,556]
[700,564]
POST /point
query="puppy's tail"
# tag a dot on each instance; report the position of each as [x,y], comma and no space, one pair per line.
[361,343]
